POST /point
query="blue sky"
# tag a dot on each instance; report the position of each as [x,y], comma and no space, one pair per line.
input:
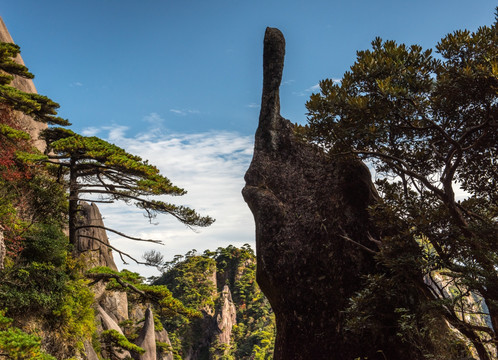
[179,82]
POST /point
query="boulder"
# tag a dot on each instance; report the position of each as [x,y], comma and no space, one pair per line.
[147,338]
[90,353]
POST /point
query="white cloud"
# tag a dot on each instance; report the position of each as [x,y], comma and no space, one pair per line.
[76,83]
[306,92]
[253,106]
[313,88]
[211,167]
[153,118]
[90,131]
[184,112]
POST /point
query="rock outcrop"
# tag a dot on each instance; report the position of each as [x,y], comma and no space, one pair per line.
[305,204]
[92,242]
[147,338]
[109,324]
[26,122]
[164,354]
[226,316]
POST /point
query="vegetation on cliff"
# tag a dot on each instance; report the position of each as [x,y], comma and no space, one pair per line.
[427,125]
[198,280]
[42,287]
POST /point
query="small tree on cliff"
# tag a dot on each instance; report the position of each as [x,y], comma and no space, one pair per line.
[99,169]
[428,126]
[39,107]
[24,190]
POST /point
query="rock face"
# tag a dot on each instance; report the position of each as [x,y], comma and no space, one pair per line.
[162,336]
[304,204]
[26,85]
[147,338]
[92,242]
[226,317]
[109,324]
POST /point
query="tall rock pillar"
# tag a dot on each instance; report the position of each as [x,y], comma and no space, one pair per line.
[304,204]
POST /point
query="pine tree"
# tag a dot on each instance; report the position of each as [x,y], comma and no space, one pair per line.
[428,125]
[99,169]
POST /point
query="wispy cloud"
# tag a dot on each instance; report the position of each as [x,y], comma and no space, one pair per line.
[307,91]
[153,118]
[211,167]
[76,84]
[313,89]
[253,105]
[90,131]
[184,112]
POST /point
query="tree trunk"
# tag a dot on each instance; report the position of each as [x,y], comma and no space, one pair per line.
[73,201]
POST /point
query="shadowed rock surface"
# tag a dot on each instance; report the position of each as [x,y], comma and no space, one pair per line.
[303,203]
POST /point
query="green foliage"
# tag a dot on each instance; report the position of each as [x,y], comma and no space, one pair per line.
[114,337]
[46,243]
[426,125]
[40,107]
[15,344]
[166,304]
[190,279]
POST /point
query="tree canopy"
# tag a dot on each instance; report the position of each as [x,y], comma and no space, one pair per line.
[102,172]
[428,126]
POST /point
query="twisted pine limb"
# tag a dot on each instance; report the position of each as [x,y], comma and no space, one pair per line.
[106,277]
[121,253]
[119,233]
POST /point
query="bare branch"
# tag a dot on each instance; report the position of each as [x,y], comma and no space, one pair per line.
[119,233]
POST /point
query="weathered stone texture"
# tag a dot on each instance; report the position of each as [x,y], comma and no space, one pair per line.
[92,242]
[226,316]
[304,203]
[147,338]
[162,336]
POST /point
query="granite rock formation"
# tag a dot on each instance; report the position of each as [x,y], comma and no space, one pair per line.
[92,242]
[163,337]
[26,122]
[305,204]
[147,338]
[226,316]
